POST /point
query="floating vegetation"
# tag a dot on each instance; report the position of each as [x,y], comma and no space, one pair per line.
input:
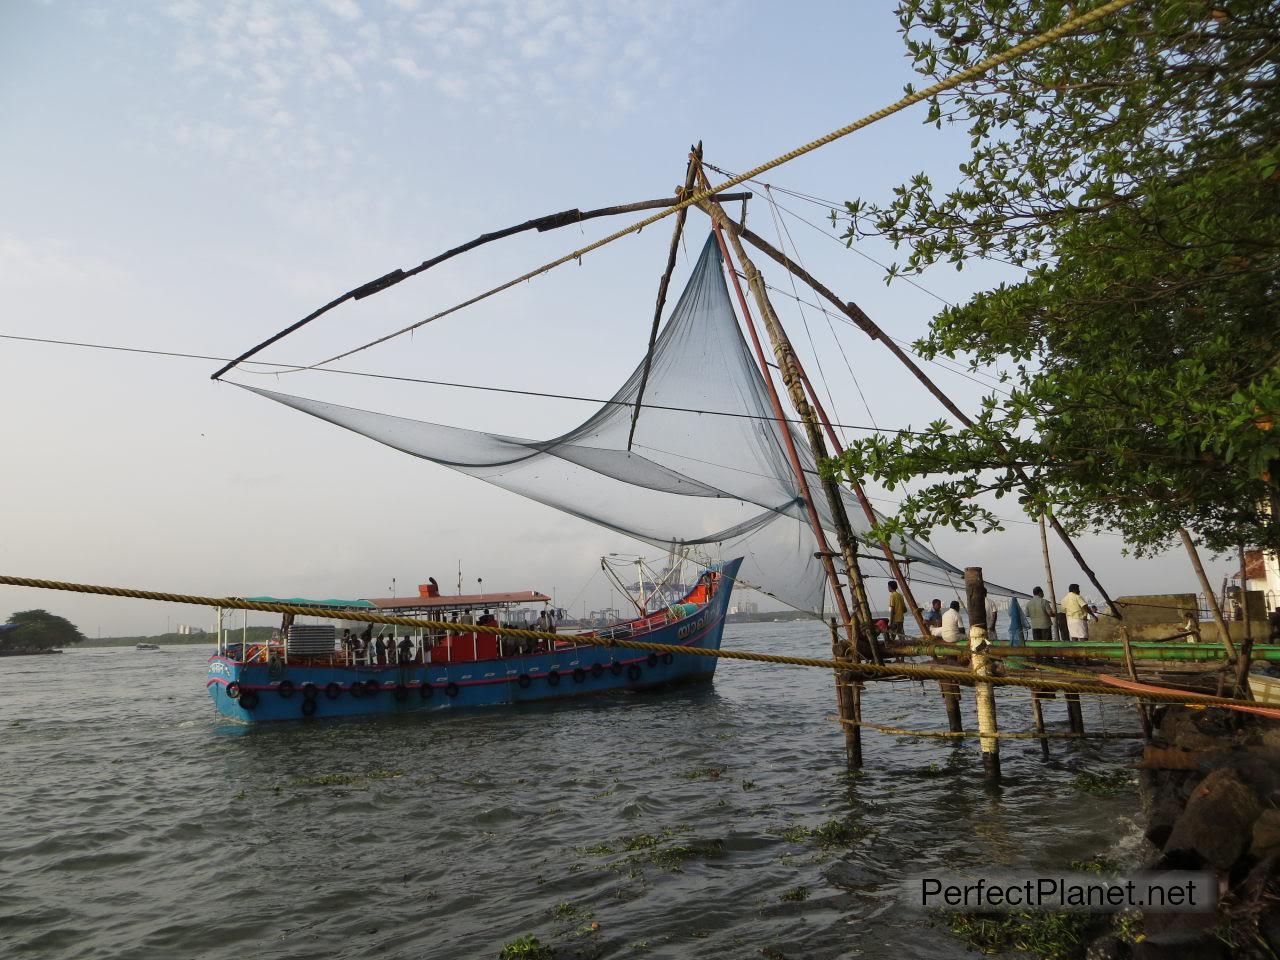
[796,834]
[839,833]
[834,834]
[748,784]
[647,849]
[1052,936]
[344,779]
[600,849]
[702,773]
[567,912]
[797,894]
[640,841]
[1105,784]
[640,946]
[527,947]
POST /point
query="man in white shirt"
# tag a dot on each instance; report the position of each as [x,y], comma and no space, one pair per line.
[951,631]
[1077,612]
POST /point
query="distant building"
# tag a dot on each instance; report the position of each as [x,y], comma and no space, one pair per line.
[186,630]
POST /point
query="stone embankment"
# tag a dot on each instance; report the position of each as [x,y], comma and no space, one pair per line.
[1211,789]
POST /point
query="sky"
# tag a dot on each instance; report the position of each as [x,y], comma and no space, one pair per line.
[193,176]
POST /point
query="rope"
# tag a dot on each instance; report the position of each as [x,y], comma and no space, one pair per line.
[999,735]
[701,196]
[852,667]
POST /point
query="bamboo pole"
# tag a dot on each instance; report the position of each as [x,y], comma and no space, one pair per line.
[1037,715]
[871,329]
[695,157]
[976,596]
[849,705]
[1208,592]
[1132,671]
[1048,575]
[1075,716]
[550,222]
[1246,648]
[785,356]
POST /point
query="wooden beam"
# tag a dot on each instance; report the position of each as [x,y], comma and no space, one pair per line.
[695,157]
[551,221]
[872,330]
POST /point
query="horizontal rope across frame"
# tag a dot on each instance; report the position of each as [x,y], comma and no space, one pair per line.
[975,735]
[850,667]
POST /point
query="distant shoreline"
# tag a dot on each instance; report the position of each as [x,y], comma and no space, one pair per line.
[26,653]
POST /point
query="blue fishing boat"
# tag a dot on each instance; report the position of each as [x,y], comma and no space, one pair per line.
[310,671]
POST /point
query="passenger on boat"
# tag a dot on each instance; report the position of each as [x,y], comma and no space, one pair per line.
[951,630]
[380,649]
[406,650]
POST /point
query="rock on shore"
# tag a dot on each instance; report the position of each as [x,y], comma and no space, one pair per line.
[1211,788]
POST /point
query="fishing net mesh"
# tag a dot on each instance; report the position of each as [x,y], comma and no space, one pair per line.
[717,482]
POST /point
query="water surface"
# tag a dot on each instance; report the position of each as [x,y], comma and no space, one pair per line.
[138,823]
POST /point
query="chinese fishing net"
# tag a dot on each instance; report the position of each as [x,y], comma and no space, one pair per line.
[718,482]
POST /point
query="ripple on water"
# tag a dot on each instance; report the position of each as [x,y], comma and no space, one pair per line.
[675,821]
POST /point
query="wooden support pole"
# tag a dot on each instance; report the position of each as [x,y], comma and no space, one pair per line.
[1037,715]
[1075,716]
[691,173]
[1048,575]
[1132,671]
[848,703]
[785,356]
[871,329]
[1208,592]
[976,596]
[550,222]
[890,557]
[1246,648]
[951,700]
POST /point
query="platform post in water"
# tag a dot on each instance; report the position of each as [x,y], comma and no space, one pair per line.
[1037,715]
[1133,675]
[976,595]
[848,703]
[1075,716]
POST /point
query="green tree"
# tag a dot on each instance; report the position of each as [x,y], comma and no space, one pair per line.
[1132,172]
[39,630]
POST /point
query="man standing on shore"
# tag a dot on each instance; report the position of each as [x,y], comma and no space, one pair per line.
[1077,612]
[1040,616]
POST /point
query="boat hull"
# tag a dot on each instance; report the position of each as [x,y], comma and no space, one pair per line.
[415,688]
